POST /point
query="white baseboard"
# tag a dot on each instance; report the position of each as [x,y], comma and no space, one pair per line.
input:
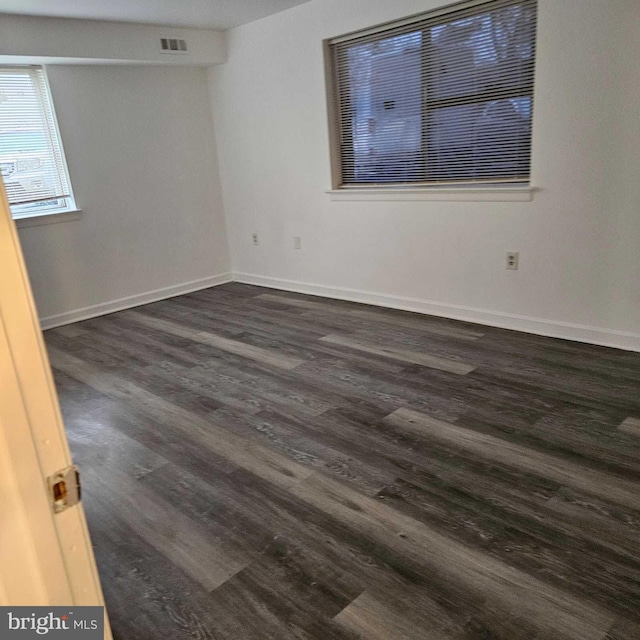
[49,322]
[540,326]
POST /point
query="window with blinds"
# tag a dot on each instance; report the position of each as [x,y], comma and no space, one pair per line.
[32,160]
[443,98]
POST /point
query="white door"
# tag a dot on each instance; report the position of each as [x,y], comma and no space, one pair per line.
[46,558]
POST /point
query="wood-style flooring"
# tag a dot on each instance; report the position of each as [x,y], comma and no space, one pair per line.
[264,465]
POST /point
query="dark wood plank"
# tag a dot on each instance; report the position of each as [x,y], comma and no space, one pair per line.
[426,360]
[507,453]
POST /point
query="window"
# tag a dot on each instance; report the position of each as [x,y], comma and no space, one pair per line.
[32,160]
[445,98]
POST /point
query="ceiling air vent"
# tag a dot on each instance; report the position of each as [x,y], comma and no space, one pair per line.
[173,45]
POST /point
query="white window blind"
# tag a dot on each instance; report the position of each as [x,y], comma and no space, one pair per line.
[31,158]
[440,99]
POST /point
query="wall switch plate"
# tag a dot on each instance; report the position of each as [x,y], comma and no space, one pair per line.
[513,257]
[297,242]
[254,239]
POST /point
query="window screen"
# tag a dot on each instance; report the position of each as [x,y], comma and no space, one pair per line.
[31,157]
[445,98]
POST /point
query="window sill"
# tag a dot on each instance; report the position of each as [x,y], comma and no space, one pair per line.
[439,194]
[53,217]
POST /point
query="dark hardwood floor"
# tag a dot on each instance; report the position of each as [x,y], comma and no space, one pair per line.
[263,465]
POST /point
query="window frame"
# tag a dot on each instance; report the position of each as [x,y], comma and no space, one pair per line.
[39,212]
[489,190]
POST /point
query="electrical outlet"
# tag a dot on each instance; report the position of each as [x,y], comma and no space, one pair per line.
[512,260]
[254,239]
[297,242]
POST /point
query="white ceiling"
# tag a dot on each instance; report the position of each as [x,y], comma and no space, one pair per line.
[204,14]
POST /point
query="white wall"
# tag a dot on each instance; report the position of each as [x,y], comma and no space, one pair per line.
[141,152]
[48,39]
[579,239]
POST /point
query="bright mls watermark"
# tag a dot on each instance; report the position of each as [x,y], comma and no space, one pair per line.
[72,623]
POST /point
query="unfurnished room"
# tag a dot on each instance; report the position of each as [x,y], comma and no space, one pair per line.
[320,320]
